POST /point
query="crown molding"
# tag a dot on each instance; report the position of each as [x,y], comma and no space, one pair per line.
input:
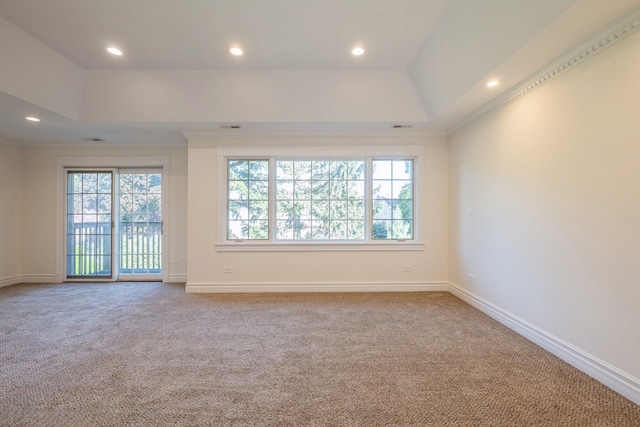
[217,136]
[10,143]
[617,31]
[90,146]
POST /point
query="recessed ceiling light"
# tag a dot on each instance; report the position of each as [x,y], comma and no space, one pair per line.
[114,51]
[357,51]
[493,83]
[32,118]
[236,51]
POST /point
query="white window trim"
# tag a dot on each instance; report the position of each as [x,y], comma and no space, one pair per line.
[264,152]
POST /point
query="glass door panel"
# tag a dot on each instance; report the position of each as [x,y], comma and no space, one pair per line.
[89,224]
[140,223]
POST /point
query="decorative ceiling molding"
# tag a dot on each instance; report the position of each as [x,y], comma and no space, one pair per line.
[10,143]
[217,136]
[609,36]
[91,146]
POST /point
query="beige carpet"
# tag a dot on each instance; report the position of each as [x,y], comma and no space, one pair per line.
[147,354]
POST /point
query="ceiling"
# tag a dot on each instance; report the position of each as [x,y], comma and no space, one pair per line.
[426,63]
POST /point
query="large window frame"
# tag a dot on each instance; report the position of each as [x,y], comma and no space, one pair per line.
[274,154]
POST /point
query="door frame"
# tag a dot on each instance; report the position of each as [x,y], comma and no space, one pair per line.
[62,163]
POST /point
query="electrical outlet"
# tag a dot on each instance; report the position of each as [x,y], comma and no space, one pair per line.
[228,270]
[406,268]
[471,278]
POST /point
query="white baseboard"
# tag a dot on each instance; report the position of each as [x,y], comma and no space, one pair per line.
[39,278]
[177,278]
[231,287]
[615,379]
[10,280]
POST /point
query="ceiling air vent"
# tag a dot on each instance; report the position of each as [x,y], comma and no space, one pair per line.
[402,126]
[93,139]
[230,126]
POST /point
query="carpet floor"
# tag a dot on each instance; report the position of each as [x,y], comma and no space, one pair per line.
[148,354]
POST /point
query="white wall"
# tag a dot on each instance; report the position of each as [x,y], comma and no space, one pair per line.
[33,72]
[553,182]
[296,270]
[203,96]
[40,243]
[10,214]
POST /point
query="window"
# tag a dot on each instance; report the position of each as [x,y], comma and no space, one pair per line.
[316,198]
[248,200]
[320,200]
[392,199]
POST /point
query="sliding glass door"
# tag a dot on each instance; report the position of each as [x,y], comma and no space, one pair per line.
[89,224]
[140,224]
[114,224]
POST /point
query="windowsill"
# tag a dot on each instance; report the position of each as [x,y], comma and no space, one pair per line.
[247,246]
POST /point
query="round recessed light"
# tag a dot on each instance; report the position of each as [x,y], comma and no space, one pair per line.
[114,51]
[357,51]
[236,51]
[493,83]
[32,118]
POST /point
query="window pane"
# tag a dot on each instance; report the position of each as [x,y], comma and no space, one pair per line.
[401,189]
[356,170]
[382,169]
[320,230]
[356,209]
[238,170]
[301,170]
[320,170]
[284,229]
[402,169]
[356,230]
[284,170]
[319,191]
[284,210]
[259,230]
[302,190]
[258,190]
[259,210]
[238,209]
[382,189]
[392,199]
[338,190]
[338,209]
[302,210]
[356,190]
[238,190]
[338,229]
[285,190]
[258,170]
[89,182]
[338,170]
[320,210]
[238,230]
[247,199]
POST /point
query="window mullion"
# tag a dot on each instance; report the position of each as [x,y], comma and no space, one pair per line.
[272,200]
[368,195]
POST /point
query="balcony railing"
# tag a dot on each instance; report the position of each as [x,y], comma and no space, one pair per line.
[89,250]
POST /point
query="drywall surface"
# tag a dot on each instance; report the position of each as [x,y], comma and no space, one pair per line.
[299,268]
[10,213]
[42,199]
[545,207]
